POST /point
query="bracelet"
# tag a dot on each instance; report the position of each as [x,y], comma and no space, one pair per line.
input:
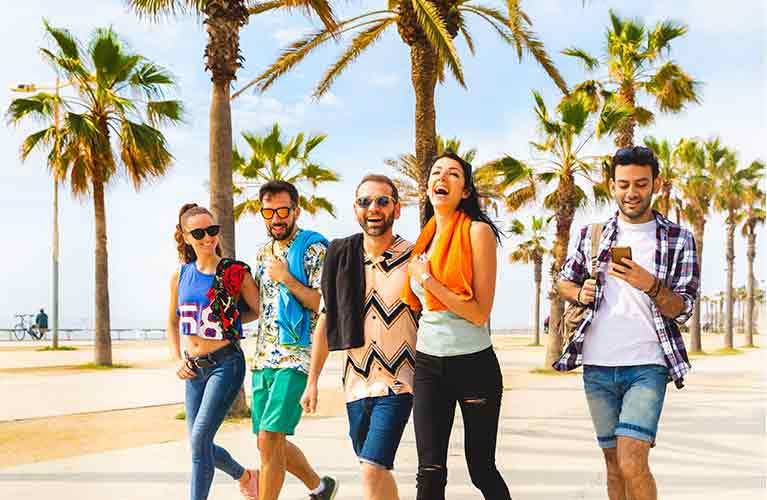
[578,298]
[654,289]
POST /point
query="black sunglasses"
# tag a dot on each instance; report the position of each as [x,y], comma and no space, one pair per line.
[199,233]
[382,201]
[282,212]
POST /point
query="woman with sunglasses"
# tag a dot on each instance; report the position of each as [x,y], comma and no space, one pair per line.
[452,283]
[203,307]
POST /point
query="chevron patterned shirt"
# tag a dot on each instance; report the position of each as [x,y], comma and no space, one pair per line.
[387,359]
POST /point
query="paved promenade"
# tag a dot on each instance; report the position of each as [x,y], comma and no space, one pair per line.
[711,443]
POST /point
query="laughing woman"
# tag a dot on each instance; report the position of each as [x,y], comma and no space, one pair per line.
[203,307]
[452,282]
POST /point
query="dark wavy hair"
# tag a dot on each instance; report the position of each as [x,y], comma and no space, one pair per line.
[185,251]
[470,206]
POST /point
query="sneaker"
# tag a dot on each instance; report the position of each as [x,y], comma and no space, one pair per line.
[329,489]
[249,490]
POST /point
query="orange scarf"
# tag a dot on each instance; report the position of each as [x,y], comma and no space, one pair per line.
[449,263]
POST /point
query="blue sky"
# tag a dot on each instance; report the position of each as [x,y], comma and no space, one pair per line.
[368,117]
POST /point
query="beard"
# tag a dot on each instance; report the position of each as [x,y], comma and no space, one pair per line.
[635,213]
[281,231]
[379,228]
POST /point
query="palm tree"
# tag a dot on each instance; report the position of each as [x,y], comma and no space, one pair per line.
[532,251]
[668,172]
[754,200]
[563,139]
[410,175]
[697,161]
[223,20]
[111,123]
[428,28]
[272,158]
[635,64]
[732,184]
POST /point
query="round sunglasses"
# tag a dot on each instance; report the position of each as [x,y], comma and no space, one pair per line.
[199,233]
[282,212]
[382,201]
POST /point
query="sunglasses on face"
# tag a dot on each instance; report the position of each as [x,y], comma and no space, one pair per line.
[282,212]
[199,233]
[382,201]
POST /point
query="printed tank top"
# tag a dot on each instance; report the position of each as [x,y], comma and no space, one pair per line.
[195,316]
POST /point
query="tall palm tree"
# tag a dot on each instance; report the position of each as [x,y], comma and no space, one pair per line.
[635,65]
[223,20]
[110,125]
[697,162]
[755,215]
[409,179]
[273,158]
[428,28]
[532,250]
[732,184]
[668,172]
[564,137]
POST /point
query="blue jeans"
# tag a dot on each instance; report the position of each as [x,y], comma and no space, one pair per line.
[625,401]
[376,426]
[208,398]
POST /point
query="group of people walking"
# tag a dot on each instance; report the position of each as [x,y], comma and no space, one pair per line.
[412,320]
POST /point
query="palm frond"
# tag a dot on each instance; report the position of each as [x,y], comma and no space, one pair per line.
[589,62]
[435,30]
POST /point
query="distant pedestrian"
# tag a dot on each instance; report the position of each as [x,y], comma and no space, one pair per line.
[41,320]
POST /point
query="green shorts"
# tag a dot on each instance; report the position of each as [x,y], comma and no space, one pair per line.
[277,399]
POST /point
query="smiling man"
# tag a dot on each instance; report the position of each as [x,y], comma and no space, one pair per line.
[363,315]
[629,341]
[287,271]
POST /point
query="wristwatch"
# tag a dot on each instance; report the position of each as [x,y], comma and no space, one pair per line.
[425,276]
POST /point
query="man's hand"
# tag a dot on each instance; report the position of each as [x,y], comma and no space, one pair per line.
[183,371]
[588,292]
[277,270]
[633,274]
[309,399]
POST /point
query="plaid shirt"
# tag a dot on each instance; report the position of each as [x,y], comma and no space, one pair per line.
[676,265]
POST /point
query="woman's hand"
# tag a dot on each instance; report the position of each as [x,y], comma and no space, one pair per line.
[183,371]
[417,267]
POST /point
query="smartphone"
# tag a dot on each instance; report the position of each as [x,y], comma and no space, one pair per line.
[617,254]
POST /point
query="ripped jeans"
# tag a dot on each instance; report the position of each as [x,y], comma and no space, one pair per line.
[475,383]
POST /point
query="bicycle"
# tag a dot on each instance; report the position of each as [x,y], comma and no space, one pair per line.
[20,329]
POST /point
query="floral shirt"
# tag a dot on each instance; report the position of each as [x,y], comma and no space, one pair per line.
[269,353]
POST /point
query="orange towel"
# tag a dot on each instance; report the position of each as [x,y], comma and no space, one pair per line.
[450,261]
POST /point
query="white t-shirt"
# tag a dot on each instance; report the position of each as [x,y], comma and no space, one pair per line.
[622,332]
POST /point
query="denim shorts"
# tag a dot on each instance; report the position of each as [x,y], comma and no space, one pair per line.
[376,425]
[625,401]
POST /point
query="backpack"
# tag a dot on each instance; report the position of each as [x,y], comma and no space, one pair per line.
[575,313]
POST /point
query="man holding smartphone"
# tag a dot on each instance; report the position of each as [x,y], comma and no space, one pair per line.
[629,341]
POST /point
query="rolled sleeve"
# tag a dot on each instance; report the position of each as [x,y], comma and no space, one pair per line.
[686,282]
[575,268]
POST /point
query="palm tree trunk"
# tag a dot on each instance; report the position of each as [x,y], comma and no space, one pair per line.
[103,339]
[538,264]
[423,69]
[221,191]
[696,344]
[566,203]
[750,256]
[730,256]
[625,136]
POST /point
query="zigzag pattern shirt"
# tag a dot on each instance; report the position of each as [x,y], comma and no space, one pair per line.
[387,359]
[676,265]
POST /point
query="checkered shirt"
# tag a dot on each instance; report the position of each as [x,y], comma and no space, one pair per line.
[676,265]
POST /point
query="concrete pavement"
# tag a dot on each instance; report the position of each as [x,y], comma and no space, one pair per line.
[711,444]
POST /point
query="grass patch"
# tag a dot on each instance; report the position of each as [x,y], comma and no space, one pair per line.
[180,415]
[551,371]
[94,366]
[59,348]
[751,346]
[726,351]
[534,345]
[697,353]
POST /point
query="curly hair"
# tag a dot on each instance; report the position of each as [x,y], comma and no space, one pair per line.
[185,251]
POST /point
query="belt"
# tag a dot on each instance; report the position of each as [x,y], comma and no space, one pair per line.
[213,358]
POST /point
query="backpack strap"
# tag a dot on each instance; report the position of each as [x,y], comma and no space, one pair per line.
[596,236]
